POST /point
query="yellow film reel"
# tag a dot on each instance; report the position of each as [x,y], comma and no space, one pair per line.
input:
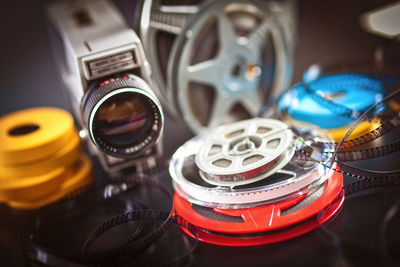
[34,134]
[75,177]
[65,156]
[28,188]
[362,129]
[41,160]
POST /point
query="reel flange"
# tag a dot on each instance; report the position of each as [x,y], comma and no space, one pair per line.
[276,174]
[245,152]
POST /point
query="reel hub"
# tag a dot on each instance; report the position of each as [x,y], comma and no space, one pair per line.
[244,152]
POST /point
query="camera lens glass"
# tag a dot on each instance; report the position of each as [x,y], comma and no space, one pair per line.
[126,124]
[124,119]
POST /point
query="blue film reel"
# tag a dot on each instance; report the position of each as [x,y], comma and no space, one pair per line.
[331,101]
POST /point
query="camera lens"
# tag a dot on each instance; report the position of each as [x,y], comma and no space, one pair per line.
[123,117]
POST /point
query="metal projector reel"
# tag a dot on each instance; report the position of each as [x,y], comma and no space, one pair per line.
[230,57]
[160,23]
[245,152]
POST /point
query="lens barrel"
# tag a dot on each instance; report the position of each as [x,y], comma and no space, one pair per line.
[123,116]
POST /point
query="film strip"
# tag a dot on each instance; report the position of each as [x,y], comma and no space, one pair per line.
[216,203]
[366,180]
[297,204]
[332,97]
[111,206]
[377,150]
[334,101]
[293,210]
[378,244]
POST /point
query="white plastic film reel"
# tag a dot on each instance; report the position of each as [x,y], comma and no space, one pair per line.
[245,152]
[284,181]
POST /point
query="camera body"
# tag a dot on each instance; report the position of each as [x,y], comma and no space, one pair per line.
[105,71]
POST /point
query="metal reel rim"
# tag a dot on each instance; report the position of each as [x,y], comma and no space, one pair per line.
[179,97]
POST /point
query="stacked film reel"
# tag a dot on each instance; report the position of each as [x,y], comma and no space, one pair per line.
[41,159]
[218,61]
[360,111]
[254,182]
[333,98]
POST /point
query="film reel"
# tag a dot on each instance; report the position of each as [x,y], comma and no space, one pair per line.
[49,188]
[334,96]
[364,147]
[264,224]
[65,156]
[31,188]
[220,70]
[43,160]
[34,134]
[216,223]
[160,23]
[253,204]
[221,160]
[233,190]
[333,101]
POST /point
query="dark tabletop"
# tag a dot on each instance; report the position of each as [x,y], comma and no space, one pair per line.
[328,32]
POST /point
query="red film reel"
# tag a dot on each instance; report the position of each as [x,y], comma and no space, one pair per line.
[264,224]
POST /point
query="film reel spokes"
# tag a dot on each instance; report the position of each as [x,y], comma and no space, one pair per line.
[218,61]
[244,153]
[228,73]
[244,204]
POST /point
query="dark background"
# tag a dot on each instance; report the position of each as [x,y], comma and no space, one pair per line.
[328,33]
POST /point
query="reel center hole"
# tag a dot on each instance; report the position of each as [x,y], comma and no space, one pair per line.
[236,70]
[23,129]
[238,66]
[244,145]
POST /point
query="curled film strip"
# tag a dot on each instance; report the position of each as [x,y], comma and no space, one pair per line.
[105,209]
[378,239]
[334,101]
[380,247]
[388,135]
